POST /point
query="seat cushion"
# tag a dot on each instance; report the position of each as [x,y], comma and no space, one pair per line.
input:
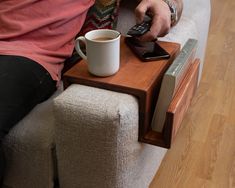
[30,150]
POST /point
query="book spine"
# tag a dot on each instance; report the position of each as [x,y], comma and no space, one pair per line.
[171,82]
[182,62]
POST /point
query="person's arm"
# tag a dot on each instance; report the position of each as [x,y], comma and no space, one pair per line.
[160,12]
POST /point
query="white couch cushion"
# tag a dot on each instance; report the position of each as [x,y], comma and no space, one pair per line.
[30,149]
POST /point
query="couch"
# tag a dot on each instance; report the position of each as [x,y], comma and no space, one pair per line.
[79,139]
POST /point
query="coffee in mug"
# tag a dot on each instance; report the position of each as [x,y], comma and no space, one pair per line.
[102,51]
[102,38]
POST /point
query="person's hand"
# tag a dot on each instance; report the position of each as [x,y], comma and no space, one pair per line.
[160,13]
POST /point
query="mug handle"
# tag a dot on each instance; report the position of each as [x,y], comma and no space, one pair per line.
[77,46]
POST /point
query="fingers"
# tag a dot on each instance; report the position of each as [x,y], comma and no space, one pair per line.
[141,11]
[161,18]
[157,30]
[160,27]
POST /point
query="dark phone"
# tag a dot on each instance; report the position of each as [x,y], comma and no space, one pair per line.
[147,51]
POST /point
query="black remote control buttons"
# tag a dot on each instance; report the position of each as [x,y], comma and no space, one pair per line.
[139,29]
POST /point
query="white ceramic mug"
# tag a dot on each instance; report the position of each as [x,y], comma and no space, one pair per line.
[102,51]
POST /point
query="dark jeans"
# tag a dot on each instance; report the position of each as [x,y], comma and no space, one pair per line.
[23,84]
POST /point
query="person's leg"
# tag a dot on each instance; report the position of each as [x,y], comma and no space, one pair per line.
[1,165]
[24,84]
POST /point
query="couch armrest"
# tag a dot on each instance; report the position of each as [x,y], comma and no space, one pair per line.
[97,140]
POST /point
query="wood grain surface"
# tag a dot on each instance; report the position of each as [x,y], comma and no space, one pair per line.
[203,153]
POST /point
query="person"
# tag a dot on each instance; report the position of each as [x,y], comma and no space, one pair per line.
[35,39]
[164,14]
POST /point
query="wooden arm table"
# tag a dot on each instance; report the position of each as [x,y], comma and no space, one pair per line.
[140,79]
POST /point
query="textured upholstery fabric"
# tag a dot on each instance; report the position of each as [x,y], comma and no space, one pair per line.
[97,145]
[29,149]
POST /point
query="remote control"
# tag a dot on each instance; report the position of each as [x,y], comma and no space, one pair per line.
[139,29]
